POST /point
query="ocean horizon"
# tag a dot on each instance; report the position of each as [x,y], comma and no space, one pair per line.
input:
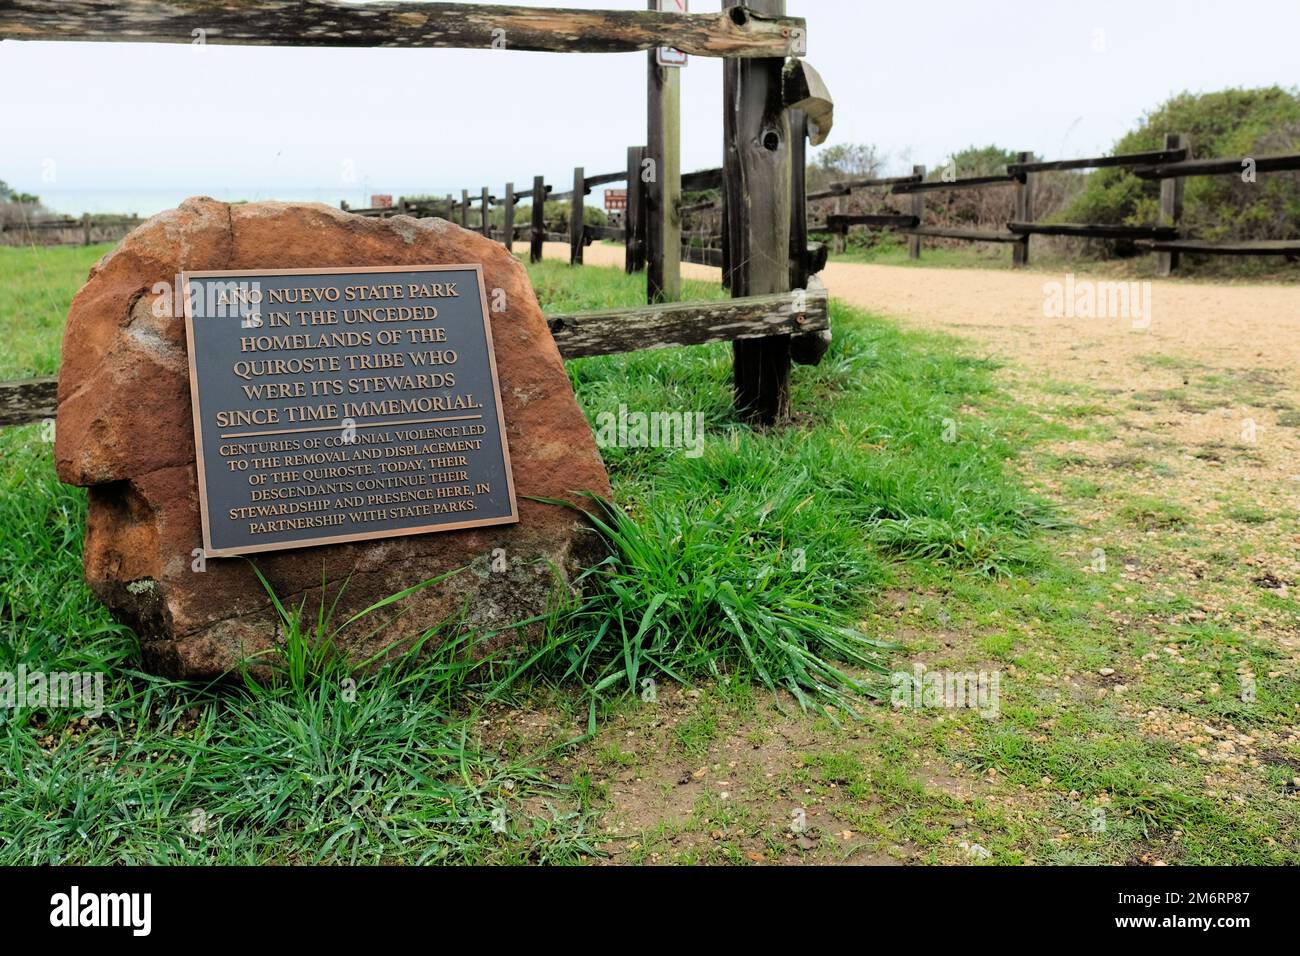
[147,202]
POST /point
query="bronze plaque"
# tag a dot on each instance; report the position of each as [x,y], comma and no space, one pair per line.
[343,405]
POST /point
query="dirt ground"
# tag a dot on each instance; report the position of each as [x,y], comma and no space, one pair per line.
[1208,367]
[1238,326]
[1180,464]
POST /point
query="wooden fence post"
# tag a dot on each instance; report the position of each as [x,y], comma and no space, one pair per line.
[634,215]
[663,193]
[837,238]
[85,228]
[798,200]
[918,210]
[486,227]
[508,222]
[1024,212]
[1171,204]
[464,208]
[576,205]
[756,180]
[539,220]
[804,349]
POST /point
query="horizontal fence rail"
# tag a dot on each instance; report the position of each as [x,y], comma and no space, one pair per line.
[1169,165]
[690,323]
[1220,167]
[736,33]
[578,335]
[1098,162]
[28,400]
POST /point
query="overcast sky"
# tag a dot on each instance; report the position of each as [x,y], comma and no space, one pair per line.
[919,80]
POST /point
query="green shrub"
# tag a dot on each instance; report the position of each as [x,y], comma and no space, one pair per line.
[1227,123]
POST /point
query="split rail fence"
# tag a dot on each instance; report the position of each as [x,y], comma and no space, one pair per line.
[86,230]
[778,312]
[1170,166]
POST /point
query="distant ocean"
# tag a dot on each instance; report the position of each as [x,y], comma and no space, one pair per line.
[146,202]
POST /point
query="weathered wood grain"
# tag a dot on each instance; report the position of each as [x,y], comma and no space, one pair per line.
[577,334]
[633,218]
[1253,247]
[342,24]
[804,89]
[577,237]
[689,323]
[757,161]
[508,223]
[896,220]
[918,210]
[703,256]
[1091,230]
[663,221]
[1171,205]
[537,236]
[1098,162]
[972,182]
[702,179]
[27,400]
[1219,167]
[970,235]
[1024,212]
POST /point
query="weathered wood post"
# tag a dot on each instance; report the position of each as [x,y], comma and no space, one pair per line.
[663,231]
[633,216]
[918,210]
[809,348]
[1171,203]
[464,208]
[85,228]
[576,206]
[1024,212]
[837,238]
[538,235]
[811,112]
[508,222]
[798,200]
[486,225]
[756,182]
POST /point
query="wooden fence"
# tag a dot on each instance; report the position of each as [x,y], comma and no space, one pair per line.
[67,230]
[1170,166]
[768,105]
[474,211]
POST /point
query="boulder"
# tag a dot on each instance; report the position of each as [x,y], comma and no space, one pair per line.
[124,430]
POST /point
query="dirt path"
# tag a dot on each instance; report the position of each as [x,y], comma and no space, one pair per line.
[1172,449]
[1240,326]
[1198,408]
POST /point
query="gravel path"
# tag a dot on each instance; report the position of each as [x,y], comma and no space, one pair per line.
[1238,326]
[1198,407]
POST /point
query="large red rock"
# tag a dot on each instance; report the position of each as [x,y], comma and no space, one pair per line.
[125,431]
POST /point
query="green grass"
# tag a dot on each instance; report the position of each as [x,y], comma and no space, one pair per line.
[772,558]
[36,285]
[753,560]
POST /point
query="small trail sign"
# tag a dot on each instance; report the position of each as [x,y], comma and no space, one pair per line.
[666,55]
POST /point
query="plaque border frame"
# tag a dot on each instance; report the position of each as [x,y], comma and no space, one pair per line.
[211,552]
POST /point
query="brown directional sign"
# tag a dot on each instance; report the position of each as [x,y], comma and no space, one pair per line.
[344,404]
